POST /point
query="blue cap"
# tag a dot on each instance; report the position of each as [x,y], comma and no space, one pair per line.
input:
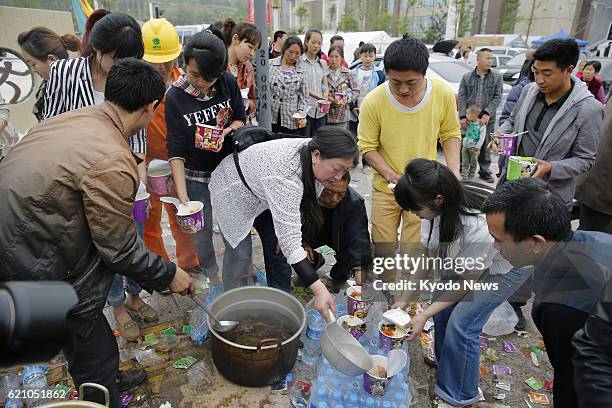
[289,377]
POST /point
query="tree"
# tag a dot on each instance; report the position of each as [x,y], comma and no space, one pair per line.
[535,4]
[301,12]
[465,11]
[436,29]
[348,23]
[509,16]
[382,22]
[332,14]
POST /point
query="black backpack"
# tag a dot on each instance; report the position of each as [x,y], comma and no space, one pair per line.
[247,136]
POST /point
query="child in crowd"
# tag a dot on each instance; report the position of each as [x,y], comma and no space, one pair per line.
[473,139]
[368,77]
[342,88]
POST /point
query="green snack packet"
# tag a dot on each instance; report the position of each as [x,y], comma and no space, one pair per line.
[534,383]
[184,362]
[168,331]
[187,329]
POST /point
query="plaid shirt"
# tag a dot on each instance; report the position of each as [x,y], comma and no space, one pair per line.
[340,113]
[315,73]
[289,96]
[183,84]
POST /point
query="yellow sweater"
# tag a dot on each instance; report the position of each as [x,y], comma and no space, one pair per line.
[401,135]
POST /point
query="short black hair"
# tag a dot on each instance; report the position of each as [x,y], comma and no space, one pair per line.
[367,48]
[335,38]
[407,54]
[132,84]
[278,34]
[480,51]
[530,208]
[595,64]
[563,52]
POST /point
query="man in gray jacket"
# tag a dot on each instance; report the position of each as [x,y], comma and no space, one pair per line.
[561,117]
[482,87]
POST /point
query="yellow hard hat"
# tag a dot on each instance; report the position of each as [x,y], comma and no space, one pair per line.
[161,41]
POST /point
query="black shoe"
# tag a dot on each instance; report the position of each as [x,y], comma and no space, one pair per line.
[130,378]
[488,178]
[520,326]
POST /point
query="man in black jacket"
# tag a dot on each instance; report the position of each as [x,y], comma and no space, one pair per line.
[345,230]
[593,358]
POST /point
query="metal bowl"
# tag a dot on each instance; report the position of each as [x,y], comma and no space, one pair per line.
[343,352]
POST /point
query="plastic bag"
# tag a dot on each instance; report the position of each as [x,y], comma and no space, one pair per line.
[200,375]
[502,321]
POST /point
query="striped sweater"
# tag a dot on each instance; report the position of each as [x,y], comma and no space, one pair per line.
[70,87]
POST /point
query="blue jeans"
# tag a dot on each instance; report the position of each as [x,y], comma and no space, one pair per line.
[457,344]
[116,295]
[313,124]
[204,238]
[278,271]
[237,263]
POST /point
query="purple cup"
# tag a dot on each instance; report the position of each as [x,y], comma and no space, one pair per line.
[388,343]
[140,210]
[192,219]
[374,385]
[507,144]
[356,331]
[357,307]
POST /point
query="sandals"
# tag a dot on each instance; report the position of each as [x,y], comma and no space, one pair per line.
[129,331]
[146,312]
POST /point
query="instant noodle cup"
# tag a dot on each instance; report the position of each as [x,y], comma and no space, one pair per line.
[190,217]
[208,137]
[299,119]
[391,335]
[159,177]
[357,306]
[520,167]
[341,98]
[507,144]
[356,327]
[140,210]
[375,381]
[323,106]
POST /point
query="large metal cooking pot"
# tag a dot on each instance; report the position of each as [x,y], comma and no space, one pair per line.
[271,359]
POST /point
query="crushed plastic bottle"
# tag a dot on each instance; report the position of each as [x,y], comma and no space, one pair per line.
[200,332]
[199,375]
[312,344]
[295,390]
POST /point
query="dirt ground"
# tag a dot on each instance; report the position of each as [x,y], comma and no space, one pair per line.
[166,383]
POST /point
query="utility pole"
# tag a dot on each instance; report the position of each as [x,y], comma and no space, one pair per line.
[262,77]
[533,6]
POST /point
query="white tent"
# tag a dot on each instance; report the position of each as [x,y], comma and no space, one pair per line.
[379,39]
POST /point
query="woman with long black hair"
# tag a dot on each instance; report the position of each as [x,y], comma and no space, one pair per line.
[283,176]
[205,95]
[454,232]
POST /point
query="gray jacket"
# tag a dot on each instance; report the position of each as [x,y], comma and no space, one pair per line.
[493,90]
[570,142]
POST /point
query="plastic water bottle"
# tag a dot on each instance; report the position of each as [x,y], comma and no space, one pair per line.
[319,397]
[34,378]
[294,389]
[260,277]
[312,344]
[370,402]
[341,309]
[386,404]
[336,397]
[353,400]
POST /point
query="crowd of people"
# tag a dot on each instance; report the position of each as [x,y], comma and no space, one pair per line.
[68,187]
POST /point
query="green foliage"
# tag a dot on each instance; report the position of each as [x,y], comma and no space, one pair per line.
[348,23]
[509,15]
[436,29]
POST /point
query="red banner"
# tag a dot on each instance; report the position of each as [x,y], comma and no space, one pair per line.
[251,11]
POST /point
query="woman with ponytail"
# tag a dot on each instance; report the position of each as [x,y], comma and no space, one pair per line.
[284,176]
[455,234]
[242,42]
[40,47]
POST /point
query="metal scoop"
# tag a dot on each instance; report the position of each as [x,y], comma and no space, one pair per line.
[222,326]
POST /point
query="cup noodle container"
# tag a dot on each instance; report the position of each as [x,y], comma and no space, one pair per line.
[507,144]
[373,384]
[323,106]
[190,217]
[245,98]
[357,307]
[299,119]
[140,210]
[354,330]
[520,167]
[388,343]
[341,98]
[208,137]
[159,176]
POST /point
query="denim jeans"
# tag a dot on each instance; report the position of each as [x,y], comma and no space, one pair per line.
[278,271]
[204,238]
[237,263]
[313,124]
[484,158]
[457,344]
[116,294]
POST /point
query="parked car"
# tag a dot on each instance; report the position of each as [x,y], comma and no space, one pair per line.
[512,69]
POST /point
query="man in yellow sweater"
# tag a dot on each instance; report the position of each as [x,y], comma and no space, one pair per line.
[400,121]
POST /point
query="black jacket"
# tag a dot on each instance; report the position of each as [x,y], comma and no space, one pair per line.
[593,358]
[350,235]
